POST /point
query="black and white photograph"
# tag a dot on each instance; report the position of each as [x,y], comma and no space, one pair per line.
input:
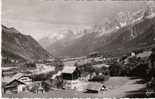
[78,49]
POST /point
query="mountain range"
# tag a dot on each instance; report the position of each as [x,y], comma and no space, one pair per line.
[134,36]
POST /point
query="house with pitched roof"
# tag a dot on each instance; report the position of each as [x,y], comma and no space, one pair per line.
[16,83]
[70,76]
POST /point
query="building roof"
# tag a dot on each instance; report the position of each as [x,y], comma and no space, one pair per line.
[98,59]
[100,65]
[144,54]
[69,63]
[11,84]
[94,86]
[8,68]
[68,69]
[15,77]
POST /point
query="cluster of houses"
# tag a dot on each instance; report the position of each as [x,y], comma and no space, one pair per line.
[73,72]
[16,83]
[144,55]
[69,77]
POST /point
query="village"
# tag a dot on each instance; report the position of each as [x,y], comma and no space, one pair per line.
[78,49]
[86,74]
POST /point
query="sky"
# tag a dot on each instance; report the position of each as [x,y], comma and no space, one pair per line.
[42,18]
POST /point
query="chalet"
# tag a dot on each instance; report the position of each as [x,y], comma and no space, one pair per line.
[101,65]
[16,84]
[70,76]
[14,87]
[69,63]
[98,60]
[94,54]
[144,54]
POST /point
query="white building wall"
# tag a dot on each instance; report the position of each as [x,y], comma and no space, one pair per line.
[20,88]
[71,84]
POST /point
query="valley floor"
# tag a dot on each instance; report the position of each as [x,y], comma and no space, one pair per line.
[118,87]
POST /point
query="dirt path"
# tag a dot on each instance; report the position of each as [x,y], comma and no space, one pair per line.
[124,90]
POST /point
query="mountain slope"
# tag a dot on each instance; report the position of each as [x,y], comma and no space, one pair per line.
[134,36]
[18,46]
[124,42]
[46,41]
